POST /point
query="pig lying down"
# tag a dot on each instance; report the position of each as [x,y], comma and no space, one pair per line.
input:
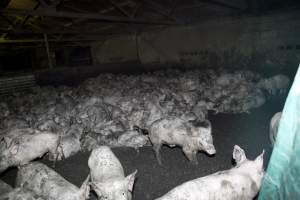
[192,136]
[274,125]
[19,194]
[241,182]
[47,184]
[20,146]
[107,175]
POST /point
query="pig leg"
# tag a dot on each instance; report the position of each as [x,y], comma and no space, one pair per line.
[191,155]
[156,148]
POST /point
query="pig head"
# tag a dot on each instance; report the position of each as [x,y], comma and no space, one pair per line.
[201,132]
[107,175]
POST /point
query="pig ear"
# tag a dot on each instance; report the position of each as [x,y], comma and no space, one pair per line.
[85,188]
[130,180]
[14,149]
[238,154]
[97,187]
[260,160]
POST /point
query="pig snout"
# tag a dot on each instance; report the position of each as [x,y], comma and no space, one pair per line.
[211,150]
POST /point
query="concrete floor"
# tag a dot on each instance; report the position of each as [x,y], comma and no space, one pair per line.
[249,131]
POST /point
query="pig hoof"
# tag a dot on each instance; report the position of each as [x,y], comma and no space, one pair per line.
[194,162]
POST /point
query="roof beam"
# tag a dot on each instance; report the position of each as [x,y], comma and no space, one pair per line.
[159,9]
[120,8]
[41,31]
[94,16]
[221,4]
[28,16]
[8,41]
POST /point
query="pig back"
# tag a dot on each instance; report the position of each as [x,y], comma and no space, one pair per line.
[104,165]
[169,130]
[214,187]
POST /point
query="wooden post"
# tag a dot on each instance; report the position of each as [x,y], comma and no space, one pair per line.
[48,51]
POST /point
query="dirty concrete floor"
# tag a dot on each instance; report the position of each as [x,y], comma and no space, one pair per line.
[250,131]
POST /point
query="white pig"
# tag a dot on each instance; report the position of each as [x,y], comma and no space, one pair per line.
[238,183]
[21,146]
[48,184]
[107,175]
[19,194]
[192,136]
[274,125]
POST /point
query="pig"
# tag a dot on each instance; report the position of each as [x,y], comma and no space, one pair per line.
[274,125]
[48,184]
[240,182]
[21,146]
[192,136]
[107,175]
[19,194]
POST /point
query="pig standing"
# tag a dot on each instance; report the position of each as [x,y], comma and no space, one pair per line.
[241,182]
[274,125]
[192,136]
[20,146]
[48,184]
[107,175]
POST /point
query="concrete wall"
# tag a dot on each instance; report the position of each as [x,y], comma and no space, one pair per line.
[269,43]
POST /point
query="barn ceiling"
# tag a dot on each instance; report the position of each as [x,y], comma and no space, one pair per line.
[80,20]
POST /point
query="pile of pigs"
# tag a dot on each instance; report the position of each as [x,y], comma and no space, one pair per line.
[119,110]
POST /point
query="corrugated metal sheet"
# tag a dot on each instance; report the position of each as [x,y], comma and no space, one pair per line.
[17,83]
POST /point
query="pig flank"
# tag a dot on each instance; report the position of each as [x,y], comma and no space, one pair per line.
[107,175]
[29,145]
[191,136]
[239,183]
[48,184]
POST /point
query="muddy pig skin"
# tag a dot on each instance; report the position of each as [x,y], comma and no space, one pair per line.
[27,146]
[107,175]
[192,136]
[239,183]
[274,125]
[19,194]
[48,184]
